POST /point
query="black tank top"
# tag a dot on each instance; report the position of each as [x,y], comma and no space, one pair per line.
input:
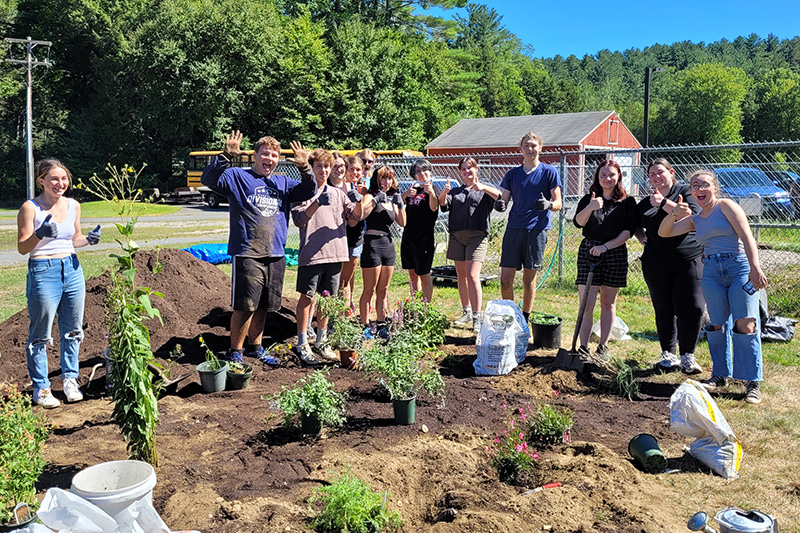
[380,219]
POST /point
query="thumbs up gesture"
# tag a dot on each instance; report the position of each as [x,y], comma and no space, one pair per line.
[324,197]
[595,203]
[47,229]
[94,235]
[682,209]
[543,204]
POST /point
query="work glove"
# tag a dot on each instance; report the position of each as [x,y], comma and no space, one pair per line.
[324,197]
[500,205]
[380,197]
[354,195]
[47,229]
[397,200]
[94,235]
[543,204]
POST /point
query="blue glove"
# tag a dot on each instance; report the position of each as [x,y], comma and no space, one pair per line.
[354,195]
[94,235]
[500,205]
[324,197]
[47,229]
[543,204]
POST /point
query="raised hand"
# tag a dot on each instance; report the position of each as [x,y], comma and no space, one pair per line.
[233,143]
[94,236]
[324,197]
[543,204]
[656,198]
[380,197]
[397,200]
[428,187]
[300,158]
[354,195]
[500,205]
[47,229]
[682,209]
[595,203]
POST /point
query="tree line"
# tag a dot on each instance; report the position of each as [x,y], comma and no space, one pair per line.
[146,81]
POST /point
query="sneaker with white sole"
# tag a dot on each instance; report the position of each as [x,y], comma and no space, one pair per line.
[45,398]
[72,391]
[465,318]
[668,362]
[753,392]
[324,351]
[311,333]
[306,355]
[689,364]
[714,383]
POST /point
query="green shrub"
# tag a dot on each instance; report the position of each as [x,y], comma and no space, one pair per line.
[623,382]
[509,453]
[421,318]
[313,396]
[352,507]
[547,424]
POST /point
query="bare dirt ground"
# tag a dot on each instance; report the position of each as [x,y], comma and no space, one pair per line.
[227,465]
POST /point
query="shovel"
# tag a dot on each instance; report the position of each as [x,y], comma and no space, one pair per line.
[571,359]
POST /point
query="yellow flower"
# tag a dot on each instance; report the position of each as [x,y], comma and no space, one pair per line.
[201,339]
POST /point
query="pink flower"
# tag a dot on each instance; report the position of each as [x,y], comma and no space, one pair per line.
[503,406]
[519,448]
[525,445]
[555,392]
[496,441]
[511,422]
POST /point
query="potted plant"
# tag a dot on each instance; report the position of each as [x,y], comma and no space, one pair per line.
[213,372]
[403,365]
[546,330]
[238,376]
[346,334]
[313,400]
[21,458]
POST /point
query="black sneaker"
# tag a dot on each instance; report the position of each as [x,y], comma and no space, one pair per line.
[753,392]
[714,383]
[603,352]
[583,350]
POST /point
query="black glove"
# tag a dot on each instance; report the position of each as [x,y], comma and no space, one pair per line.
[397,200]
[380,197]
[324,197]
[47,229]
[94,235]
[354,195]
[500,205]
[543,204]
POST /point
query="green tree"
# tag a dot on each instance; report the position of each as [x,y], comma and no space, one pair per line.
[773,110]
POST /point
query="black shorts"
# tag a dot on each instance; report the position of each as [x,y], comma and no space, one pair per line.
[257,283]
[417,255]
[523,248]
[378,251]
[612,271]
[316,279]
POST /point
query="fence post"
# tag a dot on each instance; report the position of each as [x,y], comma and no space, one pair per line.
[561,217]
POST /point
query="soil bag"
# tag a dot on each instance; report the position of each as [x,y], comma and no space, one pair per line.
[503,340]
[693,412]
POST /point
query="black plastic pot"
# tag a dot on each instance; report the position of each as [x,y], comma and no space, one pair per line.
[547,335]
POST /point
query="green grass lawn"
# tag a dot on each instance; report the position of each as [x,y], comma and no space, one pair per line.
[100,209]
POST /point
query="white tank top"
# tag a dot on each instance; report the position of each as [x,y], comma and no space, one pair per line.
[61,245]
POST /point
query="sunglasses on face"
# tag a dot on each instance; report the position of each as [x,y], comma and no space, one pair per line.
[369,161]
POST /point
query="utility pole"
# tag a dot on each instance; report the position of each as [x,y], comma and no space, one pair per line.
[30,63]
[647,72]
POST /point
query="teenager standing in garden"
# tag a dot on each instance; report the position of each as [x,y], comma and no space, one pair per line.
[49,229]
[672,268]
[607,216]
[355,229]
[534,188]
[731,278]
[470,206]
[259,220]
[417,245]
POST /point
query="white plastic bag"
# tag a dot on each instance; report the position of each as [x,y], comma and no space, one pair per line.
[503,340]
[694,413]
[619,330]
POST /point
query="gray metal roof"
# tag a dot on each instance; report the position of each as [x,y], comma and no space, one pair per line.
[500,132]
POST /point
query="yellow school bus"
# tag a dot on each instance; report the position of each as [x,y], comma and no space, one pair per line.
[198,160]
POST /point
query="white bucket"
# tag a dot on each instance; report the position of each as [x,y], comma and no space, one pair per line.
[115,485]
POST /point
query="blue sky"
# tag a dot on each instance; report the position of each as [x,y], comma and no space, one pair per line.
[584,27]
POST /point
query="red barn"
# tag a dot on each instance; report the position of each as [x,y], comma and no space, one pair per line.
[567,132]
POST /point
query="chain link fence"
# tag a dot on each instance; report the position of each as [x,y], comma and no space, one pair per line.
[763,178]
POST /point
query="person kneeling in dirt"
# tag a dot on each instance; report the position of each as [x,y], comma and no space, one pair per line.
[322,220]
[259,221]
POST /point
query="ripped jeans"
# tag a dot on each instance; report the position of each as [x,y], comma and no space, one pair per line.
[733,354]
[55,287]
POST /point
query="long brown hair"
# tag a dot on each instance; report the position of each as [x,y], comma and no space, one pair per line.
[619,193]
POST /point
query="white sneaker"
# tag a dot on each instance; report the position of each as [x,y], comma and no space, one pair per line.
[45,398]
[689,364]
[465,318]
[72,391]
[306,355]
[669,361]
[324,351]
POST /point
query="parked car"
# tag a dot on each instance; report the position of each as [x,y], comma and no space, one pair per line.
[788,181]
[743,183]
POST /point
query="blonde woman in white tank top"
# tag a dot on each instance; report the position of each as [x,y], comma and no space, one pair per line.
[48,229]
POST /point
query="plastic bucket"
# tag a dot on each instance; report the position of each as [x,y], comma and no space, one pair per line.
[404,410]
[644,448]
[115,485]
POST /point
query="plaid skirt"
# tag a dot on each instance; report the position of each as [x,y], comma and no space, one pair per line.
[612,271]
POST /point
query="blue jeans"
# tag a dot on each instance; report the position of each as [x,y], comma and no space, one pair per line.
[55,287]
[733,354]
